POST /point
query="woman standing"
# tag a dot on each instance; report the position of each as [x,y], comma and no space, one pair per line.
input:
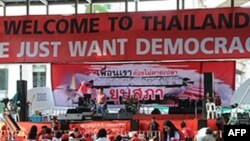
[32,136]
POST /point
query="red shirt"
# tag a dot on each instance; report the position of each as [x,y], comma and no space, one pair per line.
[101,99]
[188,132]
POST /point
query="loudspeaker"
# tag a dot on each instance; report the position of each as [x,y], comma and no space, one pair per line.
[134,125]
[22,100]
[208,91]
[83,109]
[97,116]
[125,115]
[208,84]
[111,116]
[72,111]
[202,123]
[71,117]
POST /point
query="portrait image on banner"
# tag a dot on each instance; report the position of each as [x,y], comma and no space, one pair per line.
[161,83]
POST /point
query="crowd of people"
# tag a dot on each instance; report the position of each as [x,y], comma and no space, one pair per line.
[170,132]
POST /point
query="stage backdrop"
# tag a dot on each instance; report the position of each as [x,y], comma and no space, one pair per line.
[163,83]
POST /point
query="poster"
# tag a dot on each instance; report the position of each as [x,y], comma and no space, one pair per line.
[161,83]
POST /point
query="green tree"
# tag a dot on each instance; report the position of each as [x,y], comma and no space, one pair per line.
[98,8]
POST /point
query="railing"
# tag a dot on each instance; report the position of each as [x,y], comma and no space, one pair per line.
[150,134]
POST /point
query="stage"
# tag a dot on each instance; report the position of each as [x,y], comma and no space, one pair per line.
[139,121]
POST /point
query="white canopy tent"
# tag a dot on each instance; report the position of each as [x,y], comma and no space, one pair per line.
[242,95]
[41,100]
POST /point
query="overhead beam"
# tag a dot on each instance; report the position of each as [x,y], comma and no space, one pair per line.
[237,3]
[76,6]
[89,1]
[45,2]
[2,3]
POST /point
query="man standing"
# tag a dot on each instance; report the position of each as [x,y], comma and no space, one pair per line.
[153,128]
[187,131]
[101,101]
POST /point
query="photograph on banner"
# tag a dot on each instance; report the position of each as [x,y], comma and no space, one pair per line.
[160,83]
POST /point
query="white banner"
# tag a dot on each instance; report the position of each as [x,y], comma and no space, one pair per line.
[40,99]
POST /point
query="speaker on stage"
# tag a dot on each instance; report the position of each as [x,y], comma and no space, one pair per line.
[22,100]
[97,116]
[71,111]
[111,116]
[125,115]
[208,91]
[208,84]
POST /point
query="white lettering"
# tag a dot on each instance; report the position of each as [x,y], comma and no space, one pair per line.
[236,45]
[122,45]
[220,43]
[231,132]
[104,48]
[55,48]
[243,131]
[75,47]
[169,48]
[4,49]
[38,49]
[94,49]
[157,46]
[247,44]
[203,45]
[43,46]
[237,131]
[139,47]
[108,47]
[195,47]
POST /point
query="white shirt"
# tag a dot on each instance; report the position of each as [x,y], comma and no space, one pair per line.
[201,133]
[176,136]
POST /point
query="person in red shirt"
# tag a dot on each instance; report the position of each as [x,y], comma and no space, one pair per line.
[188,132]
[135,137]
[65,136]
[218,105]
[76,133]
[101,101]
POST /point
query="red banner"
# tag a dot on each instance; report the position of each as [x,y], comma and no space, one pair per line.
[162,82]
[118,127]
[163,35]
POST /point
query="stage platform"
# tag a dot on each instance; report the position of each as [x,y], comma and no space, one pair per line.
[167,116]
